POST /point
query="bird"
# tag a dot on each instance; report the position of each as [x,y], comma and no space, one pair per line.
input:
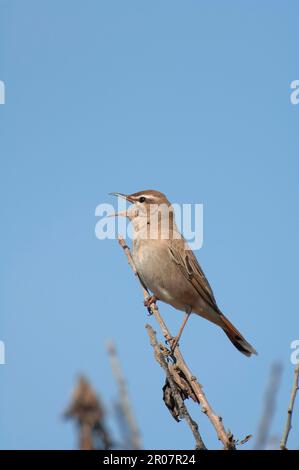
[168,268]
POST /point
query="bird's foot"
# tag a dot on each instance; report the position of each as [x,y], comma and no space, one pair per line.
[148,302]
[174,342]
[151,299]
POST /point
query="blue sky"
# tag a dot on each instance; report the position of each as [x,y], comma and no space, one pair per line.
[191,98]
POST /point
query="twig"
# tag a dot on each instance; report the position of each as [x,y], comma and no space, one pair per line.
[175,393]
[269,406]
[224,436]
[134,435]
[288,425]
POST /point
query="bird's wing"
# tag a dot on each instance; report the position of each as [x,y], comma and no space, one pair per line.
[189,266]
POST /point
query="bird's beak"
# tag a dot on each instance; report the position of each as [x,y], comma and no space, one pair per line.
[119,214]
[123,196]
[122,213]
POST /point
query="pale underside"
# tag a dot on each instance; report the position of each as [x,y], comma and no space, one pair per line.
[174,276]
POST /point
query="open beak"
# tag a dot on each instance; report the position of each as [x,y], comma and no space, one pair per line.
[119,214]
[123,196]
[122,213]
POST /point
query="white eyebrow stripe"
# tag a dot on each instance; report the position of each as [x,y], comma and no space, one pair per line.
[148,197]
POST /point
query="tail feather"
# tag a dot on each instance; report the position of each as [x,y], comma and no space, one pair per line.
[236,338]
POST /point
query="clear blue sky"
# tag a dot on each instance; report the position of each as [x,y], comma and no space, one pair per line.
[191,98]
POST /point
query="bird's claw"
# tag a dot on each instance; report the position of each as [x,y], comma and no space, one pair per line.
[148,302]
[173,343]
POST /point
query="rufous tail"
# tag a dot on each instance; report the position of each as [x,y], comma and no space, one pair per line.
[236,338]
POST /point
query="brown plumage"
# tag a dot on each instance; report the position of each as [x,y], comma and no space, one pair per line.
[169,268]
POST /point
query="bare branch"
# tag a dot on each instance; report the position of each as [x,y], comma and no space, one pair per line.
[124,402]
[224,436]
[288,426]
[269,406]
[183,412]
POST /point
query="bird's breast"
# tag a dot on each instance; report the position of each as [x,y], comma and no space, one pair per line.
[160,275]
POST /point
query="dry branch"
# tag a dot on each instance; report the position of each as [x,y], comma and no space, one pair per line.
[182,409]
[87,411]
[269,406]
[133,437]
[288,426]
[224,436]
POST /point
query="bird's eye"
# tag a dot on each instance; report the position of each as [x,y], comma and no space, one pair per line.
[142,199]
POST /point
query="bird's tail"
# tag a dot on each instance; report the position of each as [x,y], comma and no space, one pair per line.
[236,338]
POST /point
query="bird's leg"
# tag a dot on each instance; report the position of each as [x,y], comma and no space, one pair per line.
[149,301]
[178,336]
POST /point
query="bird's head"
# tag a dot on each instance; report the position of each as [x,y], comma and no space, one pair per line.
[143,202]
[151,214]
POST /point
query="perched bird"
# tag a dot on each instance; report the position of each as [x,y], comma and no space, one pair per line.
[168,267]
